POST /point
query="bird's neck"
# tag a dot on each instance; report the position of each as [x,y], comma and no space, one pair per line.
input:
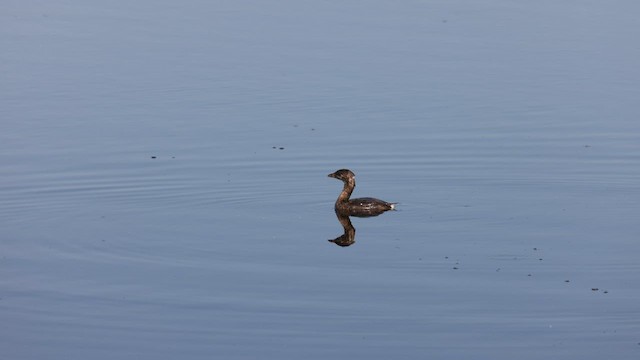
[346,192]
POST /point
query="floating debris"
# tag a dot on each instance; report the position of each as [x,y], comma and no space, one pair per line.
[153,157]
[594,289]
[566,281]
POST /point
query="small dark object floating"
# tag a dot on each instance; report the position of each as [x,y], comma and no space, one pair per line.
[594,289]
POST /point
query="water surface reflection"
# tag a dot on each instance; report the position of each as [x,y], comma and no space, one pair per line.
[349,236]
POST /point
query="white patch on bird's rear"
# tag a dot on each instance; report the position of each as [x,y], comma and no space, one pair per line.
[393,206]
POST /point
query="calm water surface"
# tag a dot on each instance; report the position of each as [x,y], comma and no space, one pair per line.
[164,189]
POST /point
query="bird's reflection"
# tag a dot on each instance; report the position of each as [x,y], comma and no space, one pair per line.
[349,236]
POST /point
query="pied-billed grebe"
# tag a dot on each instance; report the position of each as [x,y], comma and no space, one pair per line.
[357,207]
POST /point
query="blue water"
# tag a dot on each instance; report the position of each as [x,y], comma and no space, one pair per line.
[164,189]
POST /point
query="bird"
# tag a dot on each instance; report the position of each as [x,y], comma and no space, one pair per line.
[360,207]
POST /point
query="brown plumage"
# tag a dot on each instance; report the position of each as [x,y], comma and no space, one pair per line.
[361,207]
